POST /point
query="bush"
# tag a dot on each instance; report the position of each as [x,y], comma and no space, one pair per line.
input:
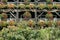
[24,34]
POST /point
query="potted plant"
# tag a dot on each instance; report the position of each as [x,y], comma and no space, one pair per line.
[58,24]
[4,20]
[31,23]
[4,24]
[54,6]
[2,5]
[31,5]
[49,6]
[50,23]
[49,15]
[41,23]
[41,6]
[22,6]
[12,25]
[11,5]
[58,6]
[27,15]
[4,16]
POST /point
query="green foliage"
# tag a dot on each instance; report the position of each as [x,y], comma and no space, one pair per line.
[24,34]
[0,16]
